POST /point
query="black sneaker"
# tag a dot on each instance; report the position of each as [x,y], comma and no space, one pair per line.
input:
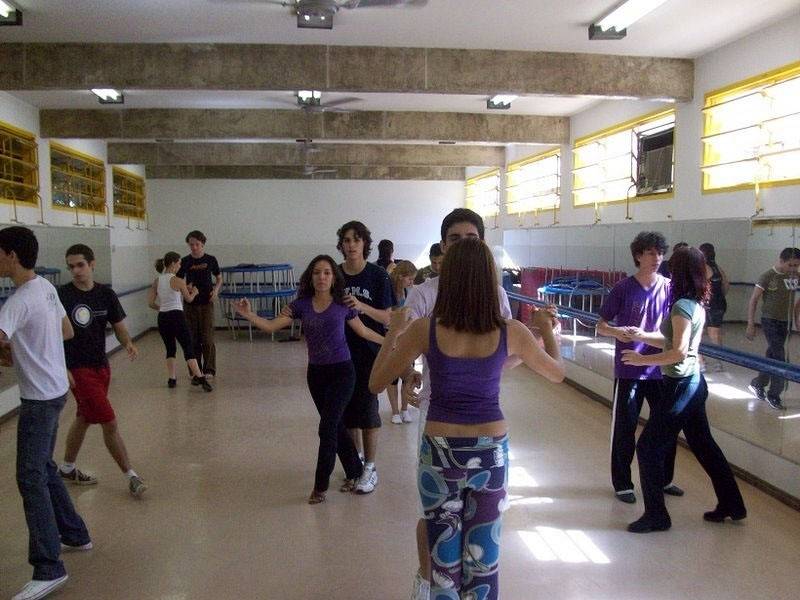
[171,383]
[673,490]
[775,402]
[201,381]
[626,497]
[757,391]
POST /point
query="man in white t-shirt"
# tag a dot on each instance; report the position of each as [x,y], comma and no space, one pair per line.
[33,325]
[460,223]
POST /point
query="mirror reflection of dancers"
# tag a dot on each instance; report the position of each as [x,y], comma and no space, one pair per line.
[165,296]
[331,375]
[463,465]
[683,406]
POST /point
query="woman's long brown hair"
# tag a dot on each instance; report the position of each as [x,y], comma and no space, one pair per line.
[467,299]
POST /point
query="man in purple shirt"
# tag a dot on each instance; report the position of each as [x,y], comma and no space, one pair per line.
[640,301]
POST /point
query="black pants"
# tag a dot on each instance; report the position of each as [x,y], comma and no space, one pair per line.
[172,326]
[629,395]
[684,410]
[331,387]
[776,332]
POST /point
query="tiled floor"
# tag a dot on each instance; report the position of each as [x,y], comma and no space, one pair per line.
[229,472]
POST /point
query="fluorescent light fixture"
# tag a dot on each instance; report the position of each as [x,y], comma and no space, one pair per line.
[309,97]
[500,102]
[613,26]
[316,15]
[9,14]
[109,95]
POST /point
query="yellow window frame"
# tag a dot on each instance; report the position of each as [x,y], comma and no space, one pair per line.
[619,128]
[77,178]
[471,189]
[755,90]
[518,165]
[130,199]
[19,166]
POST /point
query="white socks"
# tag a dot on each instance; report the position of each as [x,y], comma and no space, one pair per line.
[67,467]
[130,473]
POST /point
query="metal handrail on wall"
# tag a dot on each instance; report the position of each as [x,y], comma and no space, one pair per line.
[736,357]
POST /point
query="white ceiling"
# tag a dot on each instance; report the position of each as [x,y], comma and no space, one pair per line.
[678,28]
[529,105]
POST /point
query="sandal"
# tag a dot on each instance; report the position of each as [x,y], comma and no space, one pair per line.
[316,497]
[349,485]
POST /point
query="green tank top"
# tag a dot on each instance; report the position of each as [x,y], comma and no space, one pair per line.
[696,315]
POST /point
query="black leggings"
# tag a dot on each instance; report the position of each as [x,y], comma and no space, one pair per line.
[172,325]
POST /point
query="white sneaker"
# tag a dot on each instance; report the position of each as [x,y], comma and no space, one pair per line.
[422,588]
[81,548]
[397,419]
[36,588]
[406,417]
[368,480]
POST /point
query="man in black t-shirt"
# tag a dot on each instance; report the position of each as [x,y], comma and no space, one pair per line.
[201,270]
[369,291]
[90,306]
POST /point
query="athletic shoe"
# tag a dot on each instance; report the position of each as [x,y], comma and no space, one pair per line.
[422,588]
[171,383]
[757,390]
[36,588]
[406,417]
[81,548]
[203,383]
[673,490]
[368,480]
[775,402]
[136,486]
[78,477]
[397,419]
[627,497]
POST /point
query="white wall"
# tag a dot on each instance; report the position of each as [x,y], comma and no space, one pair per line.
[760,52]
[292,221]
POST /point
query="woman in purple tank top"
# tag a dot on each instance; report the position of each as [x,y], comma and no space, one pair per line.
[462,475]
[331,376]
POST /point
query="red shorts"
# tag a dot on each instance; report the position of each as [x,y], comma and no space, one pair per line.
[91,394]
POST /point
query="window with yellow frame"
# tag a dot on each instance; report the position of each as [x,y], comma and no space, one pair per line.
[534,183]
[483,193]
[129,196]
[79,180]
[751,132]
[19,166]
[634,159]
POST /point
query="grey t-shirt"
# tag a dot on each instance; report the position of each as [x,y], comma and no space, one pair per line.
[696,314]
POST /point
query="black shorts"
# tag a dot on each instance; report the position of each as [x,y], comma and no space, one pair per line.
[362,412]
[714,317]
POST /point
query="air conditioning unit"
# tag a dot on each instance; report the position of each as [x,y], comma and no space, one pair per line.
[654,164]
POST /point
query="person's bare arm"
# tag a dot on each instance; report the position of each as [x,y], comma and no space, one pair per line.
[67,333]
[750,332]
[124,338]
[242,307]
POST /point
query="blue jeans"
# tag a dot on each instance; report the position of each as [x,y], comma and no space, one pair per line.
[48,508]
[776,332]
[684,409]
